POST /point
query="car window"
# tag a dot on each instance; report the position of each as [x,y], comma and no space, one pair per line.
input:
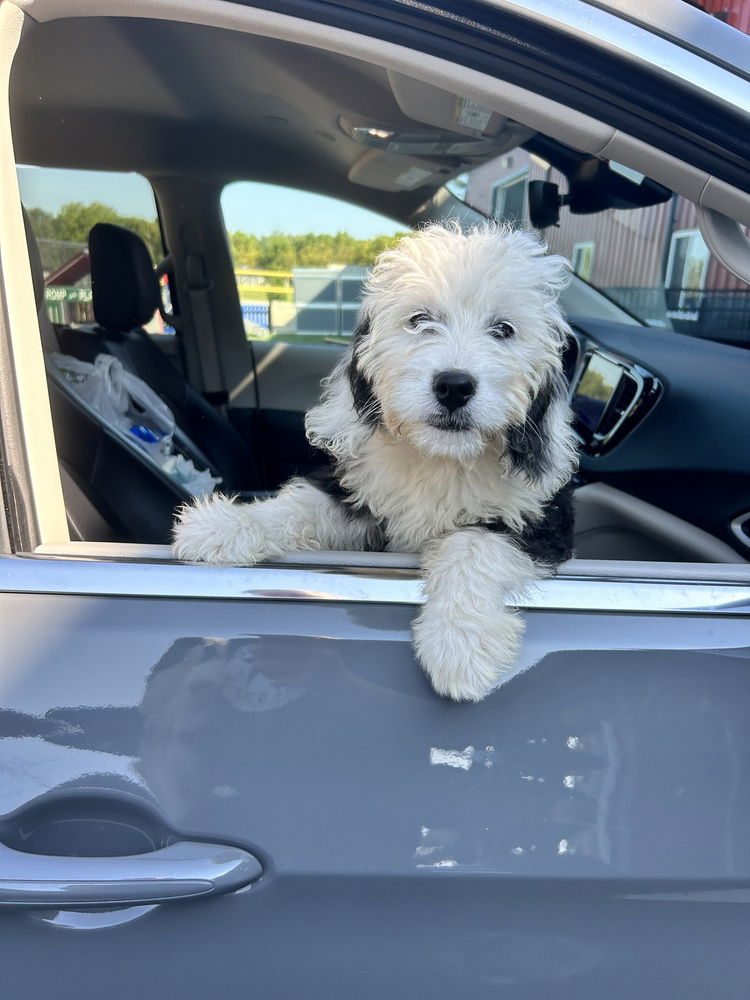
[300,260]
[652,260]
[62,206]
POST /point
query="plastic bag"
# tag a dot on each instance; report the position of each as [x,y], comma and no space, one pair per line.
[115,393]
[128,404]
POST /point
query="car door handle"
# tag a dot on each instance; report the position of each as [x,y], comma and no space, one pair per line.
[185,870]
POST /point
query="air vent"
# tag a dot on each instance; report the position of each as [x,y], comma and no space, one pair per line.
[625,396]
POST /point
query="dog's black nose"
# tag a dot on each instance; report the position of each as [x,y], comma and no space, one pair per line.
[453,389]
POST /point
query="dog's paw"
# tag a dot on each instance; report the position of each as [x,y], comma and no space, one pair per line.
[463,661]
[218,531]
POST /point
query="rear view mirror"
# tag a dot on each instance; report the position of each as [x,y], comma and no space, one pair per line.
[594,186]
[544,200]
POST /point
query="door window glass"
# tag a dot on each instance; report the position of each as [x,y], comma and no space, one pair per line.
[650,260]
[63,205]
[300,260]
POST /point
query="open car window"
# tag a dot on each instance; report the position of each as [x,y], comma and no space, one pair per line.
[268,272]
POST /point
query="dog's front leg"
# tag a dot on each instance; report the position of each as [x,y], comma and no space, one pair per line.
[465,638]
[223,532]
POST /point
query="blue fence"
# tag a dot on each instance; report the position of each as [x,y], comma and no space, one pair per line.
[256,312]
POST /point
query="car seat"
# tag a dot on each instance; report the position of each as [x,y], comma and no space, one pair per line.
[126,295]
[112,491]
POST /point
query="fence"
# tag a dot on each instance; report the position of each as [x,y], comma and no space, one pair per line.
[326,302]
[258,284]
[257,313]
[710,315]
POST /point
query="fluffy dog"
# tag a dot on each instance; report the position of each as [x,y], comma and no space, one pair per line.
[447,427]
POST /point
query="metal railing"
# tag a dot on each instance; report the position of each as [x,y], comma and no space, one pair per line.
[700,312]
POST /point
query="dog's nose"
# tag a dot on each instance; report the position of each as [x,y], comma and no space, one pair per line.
[453,389]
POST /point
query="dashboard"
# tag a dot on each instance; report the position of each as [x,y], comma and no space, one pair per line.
[665,417]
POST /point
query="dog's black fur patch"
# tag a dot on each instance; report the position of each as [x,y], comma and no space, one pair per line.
[549,541]
[528,445]
[365,401]
[327,481]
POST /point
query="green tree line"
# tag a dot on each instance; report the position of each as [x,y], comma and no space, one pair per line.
[74,220]
[283,251]
[275,252]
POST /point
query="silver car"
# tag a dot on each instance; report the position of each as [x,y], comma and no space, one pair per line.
[236,782]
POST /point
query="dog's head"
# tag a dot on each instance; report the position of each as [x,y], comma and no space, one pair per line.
[459,341]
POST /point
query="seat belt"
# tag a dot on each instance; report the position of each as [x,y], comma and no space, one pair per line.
[198,286]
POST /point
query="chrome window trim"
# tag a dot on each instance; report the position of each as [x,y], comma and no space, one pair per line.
[675,20]
[36,574]
[623,37]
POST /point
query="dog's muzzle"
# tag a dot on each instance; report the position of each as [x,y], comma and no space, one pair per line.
[453,389]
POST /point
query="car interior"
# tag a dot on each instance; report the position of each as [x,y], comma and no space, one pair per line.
[665,467]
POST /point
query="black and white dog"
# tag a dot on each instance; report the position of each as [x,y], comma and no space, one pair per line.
[447,426]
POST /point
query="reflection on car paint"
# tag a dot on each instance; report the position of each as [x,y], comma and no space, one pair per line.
[91,920]
[584,764]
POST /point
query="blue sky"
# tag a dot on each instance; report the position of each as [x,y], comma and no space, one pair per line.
[251,208]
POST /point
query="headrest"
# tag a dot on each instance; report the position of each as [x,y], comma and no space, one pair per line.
[124,285]
[35,261]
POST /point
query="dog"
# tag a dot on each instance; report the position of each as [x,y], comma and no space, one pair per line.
[447,429]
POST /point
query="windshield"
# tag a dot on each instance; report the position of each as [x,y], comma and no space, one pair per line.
[650,261]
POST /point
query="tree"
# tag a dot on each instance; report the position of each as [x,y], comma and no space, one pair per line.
[74,221]
[274,252]
[42,223]
[284,251]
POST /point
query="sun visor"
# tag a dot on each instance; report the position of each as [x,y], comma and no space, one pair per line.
[389,172]
[452,112]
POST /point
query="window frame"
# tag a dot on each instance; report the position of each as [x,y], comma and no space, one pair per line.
[518,176]
[96,569]
[36,509]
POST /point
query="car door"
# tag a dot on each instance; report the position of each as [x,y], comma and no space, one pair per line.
[237,782]
[575,830]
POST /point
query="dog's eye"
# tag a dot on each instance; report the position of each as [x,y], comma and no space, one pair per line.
[501,329]
[418,319]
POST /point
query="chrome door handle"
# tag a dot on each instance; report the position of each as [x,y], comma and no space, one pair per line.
[185,870]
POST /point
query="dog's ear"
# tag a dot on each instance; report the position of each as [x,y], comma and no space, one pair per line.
[365,401]
[528,445]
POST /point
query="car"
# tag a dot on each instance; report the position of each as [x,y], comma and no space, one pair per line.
[224,781]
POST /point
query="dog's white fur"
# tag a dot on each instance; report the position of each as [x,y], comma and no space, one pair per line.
[427,485]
